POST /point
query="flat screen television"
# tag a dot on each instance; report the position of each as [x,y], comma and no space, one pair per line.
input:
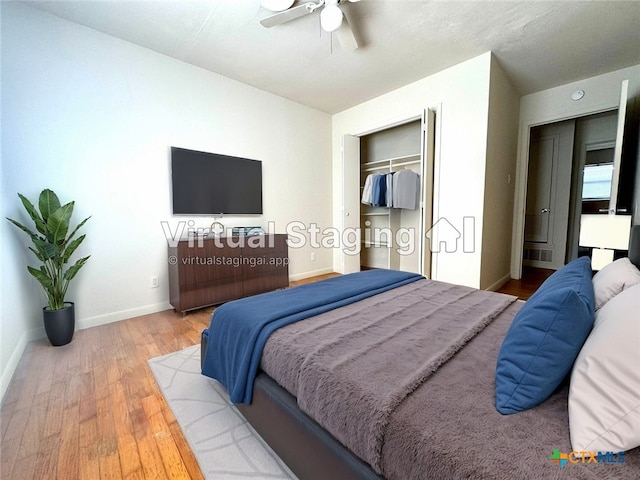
[213,184]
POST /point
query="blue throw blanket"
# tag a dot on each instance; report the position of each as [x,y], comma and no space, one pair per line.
[240,329]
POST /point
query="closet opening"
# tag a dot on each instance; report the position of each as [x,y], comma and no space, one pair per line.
[392,189]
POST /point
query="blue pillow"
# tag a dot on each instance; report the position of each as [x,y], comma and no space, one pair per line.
[545,338]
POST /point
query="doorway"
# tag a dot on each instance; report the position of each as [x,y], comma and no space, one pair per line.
[562,157]
[548,195]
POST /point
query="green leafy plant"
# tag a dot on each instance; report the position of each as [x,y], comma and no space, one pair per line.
[53,245]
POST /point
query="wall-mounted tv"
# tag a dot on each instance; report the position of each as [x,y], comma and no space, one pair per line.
[212,184]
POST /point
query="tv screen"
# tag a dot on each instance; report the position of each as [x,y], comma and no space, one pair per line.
[213,184]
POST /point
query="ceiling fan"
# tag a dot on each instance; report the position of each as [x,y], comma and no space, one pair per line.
[332,19]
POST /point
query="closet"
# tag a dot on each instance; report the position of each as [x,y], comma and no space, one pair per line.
[393,225]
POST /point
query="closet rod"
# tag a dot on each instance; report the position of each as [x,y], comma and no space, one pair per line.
[404,164]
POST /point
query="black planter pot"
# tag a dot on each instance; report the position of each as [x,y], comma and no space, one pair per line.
[60,324]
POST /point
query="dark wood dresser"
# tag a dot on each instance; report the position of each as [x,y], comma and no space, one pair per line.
[210,271]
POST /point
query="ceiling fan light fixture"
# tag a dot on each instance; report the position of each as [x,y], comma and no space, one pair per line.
[331,17]
[276,5]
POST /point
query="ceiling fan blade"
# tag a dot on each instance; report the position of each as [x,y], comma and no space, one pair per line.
[288,15]
[345,36]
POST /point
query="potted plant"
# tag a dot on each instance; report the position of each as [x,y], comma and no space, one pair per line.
[53,245]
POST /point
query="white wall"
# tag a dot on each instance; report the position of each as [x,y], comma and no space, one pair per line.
[502,140]
[93,117]
[602,93]
[462,92]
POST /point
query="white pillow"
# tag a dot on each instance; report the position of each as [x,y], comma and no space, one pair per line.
[604,395]
[614,278]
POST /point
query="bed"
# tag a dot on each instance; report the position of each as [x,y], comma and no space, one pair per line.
[340,380]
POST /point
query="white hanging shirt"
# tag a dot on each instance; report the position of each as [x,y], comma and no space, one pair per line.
[406,185]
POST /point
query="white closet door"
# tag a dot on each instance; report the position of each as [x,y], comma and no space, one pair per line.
[428,158]
[350,204]
[617,152]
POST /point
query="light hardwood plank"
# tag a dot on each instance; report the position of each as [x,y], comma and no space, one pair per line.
[171,459]
[92,409]
[67,461]
[88,462]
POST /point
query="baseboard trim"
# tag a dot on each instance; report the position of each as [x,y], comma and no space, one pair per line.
[16,355]
[496,286]
[98,320]
[314,273]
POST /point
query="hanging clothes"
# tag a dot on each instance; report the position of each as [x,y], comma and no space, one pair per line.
[406,186]
[389,199]
[392,190]
[380,191]
[375,191]
[367,191]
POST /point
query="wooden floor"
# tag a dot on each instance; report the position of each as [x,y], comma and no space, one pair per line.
[92,409]
[531,279]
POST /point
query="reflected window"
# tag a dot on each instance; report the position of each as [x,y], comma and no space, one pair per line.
[598,175]
[597,182]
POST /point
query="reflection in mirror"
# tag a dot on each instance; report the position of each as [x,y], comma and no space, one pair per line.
[597,180]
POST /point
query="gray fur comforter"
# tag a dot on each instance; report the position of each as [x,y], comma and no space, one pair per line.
[380,377]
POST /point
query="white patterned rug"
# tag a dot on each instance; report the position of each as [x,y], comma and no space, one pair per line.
[224,444]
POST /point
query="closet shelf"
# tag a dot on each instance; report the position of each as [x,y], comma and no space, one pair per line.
[394,161]
[374,169]
[407,163]
[375,214]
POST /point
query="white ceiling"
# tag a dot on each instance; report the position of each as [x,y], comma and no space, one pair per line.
[539,44]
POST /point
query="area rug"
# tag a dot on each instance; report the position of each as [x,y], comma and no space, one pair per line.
[223,442]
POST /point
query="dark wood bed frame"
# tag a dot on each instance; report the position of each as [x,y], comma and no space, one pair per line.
[308,449]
